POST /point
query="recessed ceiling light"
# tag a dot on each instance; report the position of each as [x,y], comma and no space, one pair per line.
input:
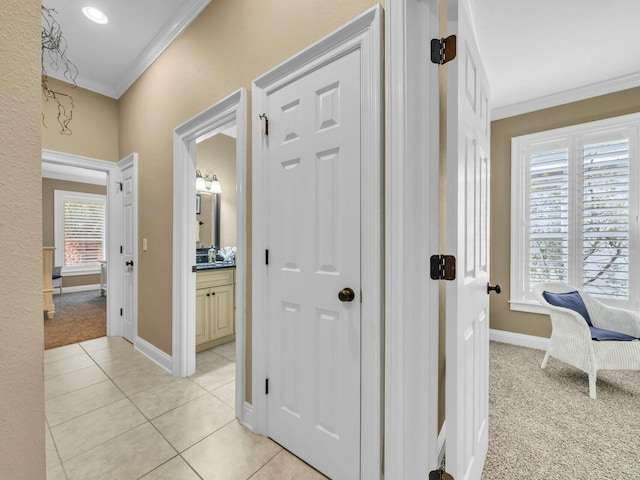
[95,15]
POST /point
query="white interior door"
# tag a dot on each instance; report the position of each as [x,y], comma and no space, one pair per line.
[314,253]
[128,257]
[467,235]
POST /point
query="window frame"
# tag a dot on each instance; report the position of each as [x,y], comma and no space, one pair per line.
[521,298]
[59,197]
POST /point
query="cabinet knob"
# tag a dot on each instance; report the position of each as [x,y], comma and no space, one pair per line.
[208,294]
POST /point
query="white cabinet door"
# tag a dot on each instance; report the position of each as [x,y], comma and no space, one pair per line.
[222,311]
[203,309]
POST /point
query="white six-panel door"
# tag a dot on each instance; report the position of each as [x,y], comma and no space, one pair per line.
[314,253]
[467,235]
[127,258]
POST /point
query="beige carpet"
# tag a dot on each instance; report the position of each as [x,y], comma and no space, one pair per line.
[543,425]
[79,316]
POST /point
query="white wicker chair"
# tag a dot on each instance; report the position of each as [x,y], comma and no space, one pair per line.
[571,338]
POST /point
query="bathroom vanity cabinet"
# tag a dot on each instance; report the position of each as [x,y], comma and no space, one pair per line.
[215,307]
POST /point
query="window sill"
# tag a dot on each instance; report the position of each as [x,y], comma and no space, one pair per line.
[527,306]
[78,271]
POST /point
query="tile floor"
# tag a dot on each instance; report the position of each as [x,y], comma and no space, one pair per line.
[113,414]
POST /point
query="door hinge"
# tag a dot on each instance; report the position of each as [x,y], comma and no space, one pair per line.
[443,267]
[266,257]
[119,185]
[263,116]
[121,250]
[121,312]
[440,475]
[443,50]
[266,386]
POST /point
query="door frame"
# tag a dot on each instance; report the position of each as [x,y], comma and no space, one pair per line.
[114,229]
[363,34]
[231,109]
[413,446]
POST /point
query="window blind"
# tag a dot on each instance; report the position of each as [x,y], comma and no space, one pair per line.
[549,216]
[84,232]
[605,218]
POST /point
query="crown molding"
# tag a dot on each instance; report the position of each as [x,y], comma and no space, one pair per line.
[171,30]
[575,94]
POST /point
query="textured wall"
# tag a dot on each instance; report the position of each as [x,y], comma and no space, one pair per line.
[229,44]
[605,106]
[94,124]
[22,451]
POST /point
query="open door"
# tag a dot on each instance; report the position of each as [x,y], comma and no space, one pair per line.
[127,259]
[467,304]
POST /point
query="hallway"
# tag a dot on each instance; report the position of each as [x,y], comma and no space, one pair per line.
[113,414]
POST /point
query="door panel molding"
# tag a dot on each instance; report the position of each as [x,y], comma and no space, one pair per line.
[364,34]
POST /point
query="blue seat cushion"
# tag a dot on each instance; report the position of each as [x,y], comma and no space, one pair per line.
[571,300]
[601,334]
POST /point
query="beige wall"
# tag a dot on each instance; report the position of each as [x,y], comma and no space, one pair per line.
[217,156]
[94,125]
[229,44]
[48,187]
[621,103]
[22,440]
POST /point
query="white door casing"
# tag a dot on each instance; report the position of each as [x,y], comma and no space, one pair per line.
[359,40]
[115,281]
[467,303]
[313,157]
[229,111]
[128,259]
[412,220]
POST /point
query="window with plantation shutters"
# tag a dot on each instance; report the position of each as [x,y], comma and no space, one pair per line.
[80,231]
[574,215]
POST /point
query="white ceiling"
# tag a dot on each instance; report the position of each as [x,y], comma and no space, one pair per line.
[537,53]
[540,53]
[111,57]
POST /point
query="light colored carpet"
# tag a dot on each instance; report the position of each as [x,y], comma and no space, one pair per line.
[543,425]
[79,316]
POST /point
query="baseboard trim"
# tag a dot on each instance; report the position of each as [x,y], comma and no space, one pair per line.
[154,354]
[520,339]
[79,288]
[247,416]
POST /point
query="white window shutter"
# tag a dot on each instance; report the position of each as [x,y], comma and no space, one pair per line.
[605,218]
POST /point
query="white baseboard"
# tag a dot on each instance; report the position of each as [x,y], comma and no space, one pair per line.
[154,354]
[531,341]
[79,288]
[246,418]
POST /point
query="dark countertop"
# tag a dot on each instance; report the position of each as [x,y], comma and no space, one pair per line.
[216,265]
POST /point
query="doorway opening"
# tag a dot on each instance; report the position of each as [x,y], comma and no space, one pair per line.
[215,287]
[81,174]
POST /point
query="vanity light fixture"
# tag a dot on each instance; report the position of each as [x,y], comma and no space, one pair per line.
[95,15]
[215,185]
[200,185]
[207,184]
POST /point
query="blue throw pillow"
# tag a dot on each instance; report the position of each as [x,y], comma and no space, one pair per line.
[572,301]
[601,334]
